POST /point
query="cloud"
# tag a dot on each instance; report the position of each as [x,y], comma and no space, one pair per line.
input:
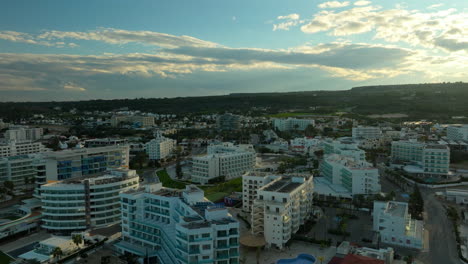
[290,17]
[70,86]
[444,29]
[362,3]
[333,4]
[434,6]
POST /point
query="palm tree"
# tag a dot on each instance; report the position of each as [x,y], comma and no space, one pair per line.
[57,252]
[77,239]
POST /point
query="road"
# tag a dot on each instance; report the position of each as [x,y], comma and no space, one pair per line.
[442,245]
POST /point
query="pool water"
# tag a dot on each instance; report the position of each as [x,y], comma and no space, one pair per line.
[300,259]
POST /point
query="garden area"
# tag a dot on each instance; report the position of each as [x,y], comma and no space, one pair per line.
[217,192]
[168,182]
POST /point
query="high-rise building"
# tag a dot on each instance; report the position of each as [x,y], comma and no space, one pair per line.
[366,132]
[223,160]
[292,124]
[20,170]
[87,202]
[177,226]
[228,122]
[395,225]
[281,207]
[160,147]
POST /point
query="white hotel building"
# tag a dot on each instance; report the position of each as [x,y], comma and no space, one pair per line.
[177,226]
[80,204]
[13,148]
[223,160]
[160,147]
[292,124]
[356,176]
[395,226]
[279,204]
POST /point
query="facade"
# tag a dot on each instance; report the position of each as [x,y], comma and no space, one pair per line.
[356,176]
[280,207]
[395,226]
[13,148]
[343,147]
[431,158]
[22,134]
[177,226]
[228,122]
[80,204]
[223,160]
[251,182]
[292,124]
[457,132]
[160,147]
[102,142]
[74,163]
[366,132]
[140,121]
[21,170]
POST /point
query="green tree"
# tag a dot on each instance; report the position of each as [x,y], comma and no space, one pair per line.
[33,261]
[416,203]
[77,239]
[178,169]
[57,252]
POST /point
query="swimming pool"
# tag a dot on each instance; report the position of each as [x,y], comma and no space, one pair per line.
[300,259]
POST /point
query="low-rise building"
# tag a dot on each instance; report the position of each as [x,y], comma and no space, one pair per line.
[44,252]
[395,225]
[305,145]
[280,207]
[140,121]
[177,226]
[80,204]
[458,195]
[13,148]
[366,132]
[289,124]
[384,254]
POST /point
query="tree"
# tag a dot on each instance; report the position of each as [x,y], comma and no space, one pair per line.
[416,203]
[57,252]
[33,261]
[77,239]
[178,169]
[9,185]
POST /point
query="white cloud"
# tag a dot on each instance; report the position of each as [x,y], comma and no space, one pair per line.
[362,3]
[70,86]
[333,4]
[434,6]
[290,16]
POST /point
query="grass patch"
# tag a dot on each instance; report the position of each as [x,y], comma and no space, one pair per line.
[166,180]
[220,190]
[4,258]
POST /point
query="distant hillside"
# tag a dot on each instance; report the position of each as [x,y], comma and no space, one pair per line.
[440,100]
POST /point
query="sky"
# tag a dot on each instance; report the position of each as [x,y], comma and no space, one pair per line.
[107,49]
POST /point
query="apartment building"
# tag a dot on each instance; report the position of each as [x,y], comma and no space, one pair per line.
[344,147]
[356,176]
[160,147]
[395,226]
[430,158]
[86,202]
[223,160]
[457,132]
[140,121]
[74,163]
[292,124]
[366,132]
[22,134]
[13,148]
[228,122]
[177,226]
[251,182]
[20,170]
[280,207]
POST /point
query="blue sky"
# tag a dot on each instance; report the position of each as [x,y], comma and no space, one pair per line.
[74,50]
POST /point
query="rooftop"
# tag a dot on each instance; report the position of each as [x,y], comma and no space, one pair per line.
[396,209]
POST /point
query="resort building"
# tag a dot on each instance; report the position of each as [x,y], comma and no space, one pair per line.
[160,147]
[87,202]
[366,132]
[356,176]
[457,132]
[395,226]
[223,160]
[425,158]
[289,124]
[170,226]
[13,148]
[228,122]
[280,207]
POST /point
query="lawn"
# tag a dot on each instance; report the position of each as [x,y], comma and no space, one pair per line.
[166,180]
[219,191]
[4,258]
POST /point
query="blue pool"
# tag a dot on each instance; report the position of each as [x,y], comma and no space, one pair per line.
[300,259]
